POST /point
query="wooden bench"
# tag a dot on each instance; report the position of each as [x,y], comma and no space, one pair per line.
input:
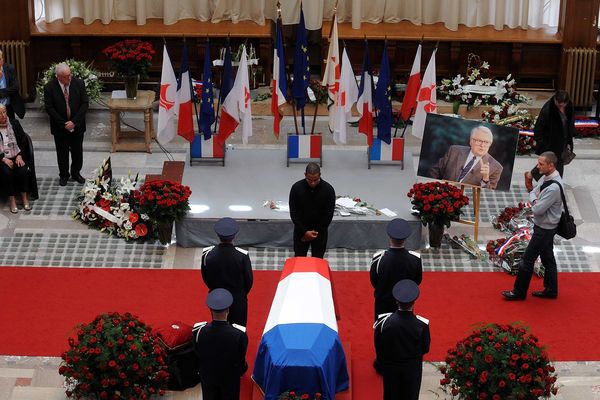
[172,171]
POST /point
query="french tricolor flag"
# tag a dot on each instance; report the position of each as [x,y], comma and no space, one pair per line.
[279,81]
[381,151]
[185,122]
[207,148]
[304,146]
[586,123]
[300,338]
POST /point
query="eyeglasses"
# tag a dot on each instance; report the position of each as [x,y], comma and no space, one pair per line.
[481,142]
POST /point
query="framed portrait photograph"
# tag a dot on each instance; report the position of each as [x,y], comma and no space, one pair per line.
[469,152]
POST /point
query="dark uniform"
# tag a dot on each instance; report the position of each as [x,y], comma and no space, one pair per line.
[221,350]
[401,340]
[311,209]
[229,267]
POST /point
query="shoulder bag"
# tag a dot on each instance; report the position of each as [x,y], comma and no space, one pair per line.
[566,226]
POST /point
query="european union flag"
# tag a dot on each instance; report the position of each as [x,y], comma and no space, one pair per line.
[383,99]
[207,107]
[301,65]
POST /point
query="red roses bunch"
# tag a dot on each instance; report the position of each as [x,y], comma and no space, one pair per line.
[291,395]
[130,57]
[498,362]
[502,221]
[163,201]
[116,356]
[437,202]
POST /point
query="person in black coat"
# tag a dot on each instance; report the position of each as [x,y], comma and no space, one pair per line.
[9,90]
[312,203]
[553,131]
[66,103]
[392,265]
[229,267]
[221,350]
[401,340]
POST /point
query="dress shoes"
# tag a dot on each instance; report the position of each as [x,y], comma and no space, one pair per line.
[544,294]
[78,178]
[63,181]
[510,295]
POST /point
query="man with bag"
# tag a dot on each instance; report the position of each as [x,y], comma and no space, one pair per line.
[547,207]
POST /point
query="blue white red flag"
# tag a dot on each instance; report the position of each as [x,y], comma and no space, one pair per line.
[185,121]
[279,86]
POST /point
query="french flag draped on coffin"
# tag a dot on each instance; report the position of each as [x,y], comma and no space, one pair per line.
[300,348]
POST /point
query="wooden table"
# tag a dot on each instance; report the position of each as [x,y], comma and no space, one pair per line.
[143,103]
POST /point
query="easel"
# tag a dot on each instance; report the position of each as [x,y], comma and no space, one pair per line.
[475,199]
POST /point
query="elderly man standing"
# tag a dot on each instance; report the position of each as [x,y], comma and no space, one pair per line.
[66,103]
[547,207]
[471,164]
[9,90]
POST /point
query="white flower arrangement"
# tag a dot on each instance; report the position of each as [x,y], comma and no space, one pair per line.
[79,69]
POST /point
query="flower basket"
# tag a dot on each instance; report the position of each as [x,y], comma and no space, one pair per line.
[498,362]
[80,70]
[116,356]
[130,57]
[437,203]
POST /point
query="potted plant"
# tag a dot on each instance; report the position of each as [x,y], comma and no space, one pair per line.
[116,356]
[498,362]
[131,59]
[438,204]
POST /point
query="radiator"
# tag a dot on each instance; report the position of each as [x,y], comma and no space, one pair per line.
[14,53]
[581,67]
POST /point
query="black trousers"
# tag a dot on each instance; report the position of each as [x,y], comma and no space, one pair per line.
[542,245]
[317,246]
[402,381]
[69,142]
[14,180]
[238,312]
[229,390]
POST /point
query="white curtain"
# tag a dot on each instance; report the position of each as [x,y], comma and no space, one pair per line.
[522,14]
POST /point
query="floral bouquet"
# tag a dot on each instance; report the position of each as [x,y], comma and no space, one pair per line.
[437,202]
[466,243]
[498,362]
[116,356]
[165,201]
[130,57]
[506,253]
[80,70]
[291,395]
[512,219]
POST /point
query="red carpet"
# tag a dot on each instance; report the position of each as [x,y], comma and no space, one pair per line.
[40,306]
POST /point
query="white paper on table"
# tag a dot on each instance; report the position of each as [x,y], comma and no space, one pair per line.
[345,202]
[118,94]
[387,212]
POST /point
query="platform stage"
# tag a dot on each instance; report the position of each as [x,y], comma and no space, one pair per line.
[252,177]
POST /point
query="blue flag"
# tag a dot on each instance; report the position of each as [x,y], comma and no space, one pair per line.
[227,78]
[207,108]
[383,99]
[301,65]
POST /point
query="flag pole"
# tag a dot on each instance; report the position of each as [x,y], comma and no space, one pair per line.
[220,99]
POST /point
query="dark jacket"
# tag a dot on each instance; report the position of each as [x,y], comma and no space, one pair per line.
[54,102]
[311,209]
[26,147]
[12,91]
[548,131]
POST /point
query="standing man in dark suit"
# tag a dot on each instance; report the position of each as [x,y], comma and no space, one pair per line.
[229,267]
[221,350]
[9,90]
[312,203]
[66,103]
[401,340]
[471,164]
[390,266]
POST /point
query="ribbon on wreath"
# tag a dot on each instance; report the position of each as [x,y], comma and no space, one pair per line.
[522,234]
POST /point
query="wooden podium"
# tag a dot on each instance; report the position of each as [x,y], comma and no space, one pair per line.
[143,103]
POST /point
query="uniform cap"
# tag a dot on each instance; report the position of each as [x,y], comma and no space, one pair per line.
[405,291]
[226,228]
[398,229]
[219,299]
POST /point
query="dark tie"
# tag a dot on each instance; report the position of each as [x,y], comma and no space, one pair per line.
[66,93]
[466,169]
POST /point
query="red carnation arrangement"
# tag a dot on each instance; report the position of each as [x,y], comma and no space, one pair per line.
[291,395]
[130,57]
[498,362]
[437,202]
[164,201]
[116,356]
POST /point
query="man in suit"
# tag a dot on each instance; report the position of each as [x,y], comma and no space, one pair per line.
[229,267]
[221,350]
[9,90]
[401,340]
[390,266]
[471,165]
[66,103]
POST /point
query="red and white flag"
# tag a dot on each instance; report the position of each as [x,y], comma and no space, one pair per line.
[426,99]
[346,97]
[236,106]
[409,104]
[331,77]
[167,105]
[185,121]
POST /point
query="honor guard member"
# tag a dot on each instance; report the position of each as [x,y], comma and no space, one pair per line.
[401,340]
[229,267]
[221,348]
[392,265]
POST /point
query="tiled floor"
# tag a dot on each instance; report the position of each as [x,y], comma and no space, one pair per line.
[47,236]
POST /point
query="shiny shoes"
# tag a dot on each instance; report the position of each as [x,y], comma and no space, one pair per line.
[544,294]
[510,295]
